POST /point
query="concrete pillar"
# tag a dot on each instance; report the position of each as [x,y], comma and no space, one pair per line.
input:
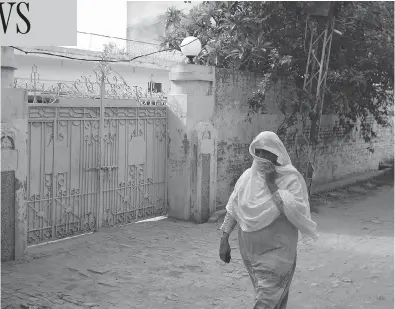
[204,172]
[14,124]
[8,66]
[191,161]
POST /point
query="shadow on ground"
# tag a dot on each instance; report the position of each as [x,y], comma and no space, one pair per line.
[365,208]
[172,265]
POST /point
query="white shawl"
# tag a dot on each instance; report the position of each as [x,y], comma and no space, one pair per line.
[251,202]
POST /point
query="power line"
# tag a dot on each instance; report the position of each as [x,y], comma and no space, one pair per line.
[95,60]
[114,37]
[85,59]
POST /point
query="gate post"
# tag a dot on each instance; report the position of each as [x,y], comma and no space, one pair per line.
[14,126]
[204,172]
[191,100]
[8,66]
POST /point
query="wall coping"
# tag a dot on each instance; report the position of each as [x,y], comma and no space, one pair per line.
[8,58]
[191,72]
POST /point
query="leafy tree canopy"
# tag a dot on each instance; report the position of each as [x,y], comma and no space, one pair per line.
[270,37]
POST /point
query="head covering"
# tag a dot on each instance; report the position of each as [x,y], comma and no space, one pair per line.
[252,204]
[269,141]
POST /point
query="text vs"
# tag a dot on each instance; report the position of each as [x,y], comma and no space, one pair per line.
[8,9]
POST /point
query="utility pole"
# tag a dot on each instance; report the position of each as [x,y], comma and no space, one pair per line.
[320,25]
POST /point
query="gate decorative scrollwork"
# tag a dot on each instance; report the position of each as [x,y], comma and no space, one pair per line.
[94,160]
[136,186]
[103,81]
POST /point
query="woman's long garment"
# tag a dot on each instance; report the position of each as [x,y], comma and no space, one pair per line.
[270,258]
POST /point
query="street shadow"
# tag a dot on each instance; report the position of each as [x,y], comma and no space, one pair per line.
[364,209]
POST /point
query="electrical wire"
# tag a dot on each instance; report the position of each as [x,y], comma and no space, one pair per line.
[85,59]
[118,38]
[95,60]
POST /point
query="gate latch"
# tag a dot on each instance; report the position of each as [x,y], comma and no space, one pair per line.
[108,168]
[106,171]
[103,168]
[92,169]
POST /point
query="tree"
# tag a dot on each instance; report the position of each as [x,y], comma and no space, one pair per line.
[113,50]
[269,37]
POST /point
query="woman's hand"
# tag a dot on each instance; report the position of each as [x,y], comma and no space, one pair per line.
[267,166]
[270,176]
[224,248]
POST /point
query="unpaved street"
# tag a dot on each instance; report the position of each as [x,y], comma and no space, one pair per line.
[168,265]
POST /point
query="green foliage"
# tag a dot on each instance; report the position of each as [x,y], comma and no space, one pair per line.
[112,50]
[270,37]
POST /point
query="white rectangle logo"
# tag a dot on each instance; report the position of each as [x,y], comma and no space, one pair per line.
[38,23]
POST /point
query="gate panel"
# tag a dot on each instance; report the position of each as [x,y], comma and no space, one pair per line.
[39,191]
[97,154]
[134,173]
[63,141]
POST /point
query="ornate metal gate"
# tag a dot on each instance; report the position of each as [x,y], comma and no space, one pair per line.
[97,156]
[134,157]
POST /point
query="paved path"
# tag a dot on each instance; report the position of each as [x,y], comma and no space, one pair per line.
[171,265]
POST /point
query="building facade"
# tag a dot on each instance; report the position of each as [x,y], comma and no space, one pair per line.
[144,72]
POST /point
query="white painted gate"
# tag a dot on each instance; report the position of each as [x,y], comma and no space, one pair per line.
[94,160]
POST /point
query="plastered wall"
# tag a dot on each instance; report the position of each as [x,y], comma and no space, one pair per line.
[338,156]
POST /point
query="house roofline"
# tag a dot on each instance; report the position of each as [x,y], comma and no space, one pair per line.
[93,55]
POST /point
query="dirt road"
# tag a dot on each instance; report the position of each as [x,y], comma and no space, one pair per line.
[169,265]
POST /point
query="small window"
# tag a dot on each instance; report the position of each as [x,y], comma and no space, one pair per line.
[154,87]
[41,99]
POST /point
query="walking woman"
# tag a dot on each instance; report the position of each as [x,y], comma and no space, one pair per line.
[270,203]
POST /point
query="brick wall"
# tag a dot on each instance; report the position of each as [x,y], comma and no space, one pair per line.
[339,155]
[7,216]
